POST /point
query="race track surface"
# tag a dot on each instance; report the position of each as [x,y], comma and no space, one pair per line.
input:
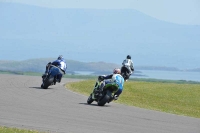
[23,104]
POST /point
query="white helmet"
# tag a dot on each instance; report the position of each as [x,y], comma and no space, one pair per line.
[116,71]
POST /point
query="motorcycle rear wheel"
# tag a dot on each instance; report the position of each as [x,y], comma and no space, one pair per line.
[105,98]
[45,85]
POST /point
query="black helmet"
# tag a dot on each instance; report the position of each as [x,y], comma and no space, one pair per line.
[60,57]
[128,57]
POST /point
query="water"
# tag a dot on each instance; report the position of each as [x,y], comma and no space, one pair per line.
[170,75]
[84,72]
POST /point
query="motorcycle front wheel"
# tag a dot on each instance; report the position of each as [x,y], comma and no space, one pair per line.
[90,100]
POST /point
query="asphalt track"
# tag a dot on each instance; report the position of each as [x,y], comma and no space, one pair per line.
[23,104]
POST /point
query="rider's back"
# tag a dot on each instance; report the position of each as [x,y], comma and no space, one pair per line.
[119,80]
[127,62]
[61,64]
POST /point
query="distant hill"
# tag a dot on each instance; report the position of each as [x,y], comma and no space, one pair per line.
[89,35]
[38,65]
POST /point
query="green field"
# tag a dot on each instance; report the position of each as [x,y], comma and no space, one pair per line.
[179,98]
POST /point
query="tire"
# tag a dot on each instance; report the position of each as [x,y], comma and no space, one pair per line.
[48,81]
[90,100]
[105,98]
[123,75]
[45,87]
[45,84]
[42,86]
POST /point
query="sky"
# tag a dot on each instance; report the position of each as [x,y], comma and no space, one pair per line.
[185,12]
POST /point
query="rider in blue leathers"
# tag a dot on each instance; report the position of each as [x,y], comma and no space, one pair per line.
[116,77]
[61,63]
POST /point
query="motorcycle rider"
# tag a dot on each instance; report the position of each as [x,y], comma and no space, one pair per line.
[128,63]
[119,80]
[61,63]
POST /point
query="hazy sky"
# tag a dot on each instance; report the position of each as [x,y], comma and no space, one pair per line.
[176,11]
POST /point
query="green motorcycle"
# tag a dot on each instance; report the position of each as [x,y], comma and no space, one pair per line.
[105,96]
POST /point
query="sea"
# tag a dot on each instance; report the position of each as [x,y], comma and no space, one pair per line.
[169,75]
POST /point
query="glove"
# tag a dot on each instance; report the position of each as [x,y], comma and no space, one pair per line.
[100,78]
[48,64]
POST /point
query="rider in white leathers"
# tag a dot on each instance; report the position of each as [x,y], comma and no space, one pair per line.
[128,63]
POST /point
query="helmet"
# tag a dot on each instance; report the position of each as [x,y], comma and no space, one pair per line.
[116,71]
[60,57]
[128,57]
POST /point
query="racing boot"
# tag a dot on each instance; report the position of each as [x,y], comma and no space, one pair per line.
[115,97]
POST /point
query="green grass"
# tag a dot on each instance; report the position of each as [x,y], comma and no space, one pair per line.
[16,130]
[176,98]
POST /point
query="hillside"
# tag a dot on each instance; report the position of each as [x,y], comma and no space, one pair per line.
[89,35]
[38,65]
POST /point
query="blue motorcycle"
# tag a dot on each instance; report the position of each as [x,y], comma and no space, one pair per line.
[54,75]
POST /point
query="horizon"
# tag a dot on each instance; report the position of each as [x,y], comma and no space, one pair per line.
[150,67]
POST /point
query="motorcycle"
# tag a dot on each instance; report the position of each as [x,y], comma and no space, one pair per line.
[106,96]
[125,72]
[54,75]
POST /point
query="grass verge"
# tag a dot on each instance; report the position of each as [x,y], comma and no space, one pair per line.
[176,98]
[4,129]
